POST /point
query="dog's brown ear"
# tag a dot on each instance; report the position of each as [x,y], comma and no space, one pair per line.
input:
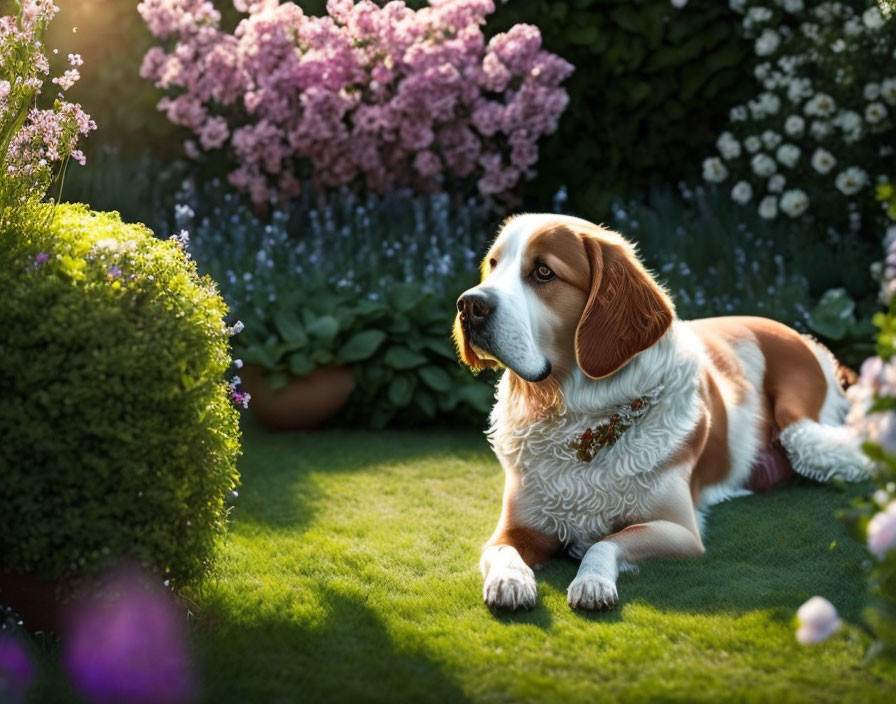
[626,311]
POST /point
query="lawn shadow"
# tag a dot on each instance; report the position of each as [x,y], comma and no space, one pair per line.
[350,657]
[277,485]
[766,552]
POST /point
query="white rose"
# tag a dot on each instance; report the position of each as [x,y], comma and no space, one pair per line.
[752,144]
[776,184]
[767,43]
[768,208]
[872,18]
[794,125]
[820,129]
[771,139]
[763,165]
[871,91]
[714,170]
[888,90]
[823,161]
[822,105]
[817,619]
[794,202]
[851,181]
[788,154]
[882,531]
[875,112]
[742,192]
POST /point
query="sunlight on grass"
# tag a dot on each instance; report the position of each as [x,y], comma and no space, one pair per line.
[351,574]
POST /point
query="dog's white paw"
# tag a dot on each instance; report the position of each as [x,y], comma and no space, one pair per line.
[510,587]
[592,592]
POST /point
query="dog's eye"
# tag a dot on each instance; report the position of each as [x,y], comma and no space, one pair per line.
[543,273]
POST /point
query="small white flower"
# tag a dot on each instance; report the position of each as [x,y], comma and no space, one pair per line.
[872,18]
[799,89]
[728,146]
[821,105]
[882,531]
[820,129]
[768,208]
[767,43]
[794,202]
[794,125]
[763,165]
[788,155]
[771,139]
[823,161]
[888,90]
[871,91]
[851,181]
[853,27]
[776,184]
[738,113]
[818,620]
[742,192]
[838,47]
[758,15]
[762,70]
[752,144]
[238,363]
[875,112]
[714,170]
[809,30]
[679,3]
[737,5]
[793,5]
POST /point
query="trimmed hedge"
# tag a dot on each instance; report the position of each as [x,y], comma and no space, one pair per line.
[119,439]
[652,89]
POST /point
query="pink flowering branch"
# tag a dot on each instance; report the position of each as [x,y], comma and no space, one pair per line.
[385,95]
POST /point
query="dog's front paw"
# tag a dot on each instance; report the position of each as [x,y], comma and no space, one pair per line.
[510,587]
[592,592]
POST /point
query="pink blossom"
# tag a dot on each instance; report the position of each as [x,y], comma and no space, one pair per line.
[882,531]
[817,619]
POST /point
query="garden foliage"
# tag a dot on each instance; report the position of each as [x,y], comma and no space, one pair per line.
[819,129]
[120,438]
[388,96]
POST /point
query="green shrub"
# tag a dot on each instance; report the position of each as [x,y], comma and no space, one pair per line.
[651,88]
[119,436]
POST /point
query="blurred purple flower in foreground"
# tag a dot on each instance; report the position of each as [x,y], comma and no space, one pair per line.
[129,645]
[17,671]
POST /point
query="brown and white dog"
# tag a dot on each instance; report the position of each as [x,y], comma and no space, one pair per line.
[615,422]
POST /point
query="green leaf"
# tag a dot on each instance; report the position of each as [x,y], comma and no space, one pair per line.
[834,316]
[320,357]
[425,402]
[362,346]
[325,328]
[401,390]
[300,364]
[402,358]
[290,327]
[277,380]
[435,378]
[262,356]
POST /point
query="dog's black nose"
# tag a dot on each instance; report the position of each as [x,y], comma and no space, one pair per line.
[475,307]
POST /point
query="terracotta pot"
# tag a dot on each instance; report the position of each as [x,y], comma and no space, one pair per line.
[304,403]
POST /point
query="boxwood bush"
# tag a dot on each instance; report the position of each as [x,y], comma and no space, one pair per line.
[119,439]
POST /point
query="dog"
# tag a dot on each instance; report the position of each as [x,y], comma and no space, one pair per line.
[617,424]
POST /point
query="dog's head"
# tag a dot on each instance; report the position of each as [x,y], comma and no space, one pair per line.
[558,291]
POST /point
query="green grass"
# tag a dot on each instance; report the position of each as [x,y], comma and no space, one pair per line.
[351,575]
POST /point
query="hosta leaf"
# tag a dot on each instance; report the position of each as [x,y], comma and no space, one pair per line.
[362,346]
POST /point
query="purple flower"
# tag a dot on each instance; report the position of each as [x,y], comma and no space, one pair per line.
[40,260]
[17,671]
[129,645]
[114,271]
[241,398]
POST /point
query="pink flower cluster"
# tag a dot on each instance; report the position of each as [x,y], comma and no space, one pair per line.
[387,95]
[37,140]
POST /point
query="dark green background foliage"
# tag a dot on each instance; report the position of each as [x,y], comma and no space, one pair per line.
[651,91]
[118,436]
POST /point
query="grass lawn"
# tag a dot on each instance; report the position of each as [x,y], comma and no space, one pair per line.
[351,575]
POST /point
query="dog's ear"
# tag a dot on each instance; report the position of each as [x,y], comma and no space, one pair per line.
[626,311]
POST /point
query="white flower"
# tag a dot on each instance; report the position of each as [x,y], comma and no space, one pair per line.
[763,165]
[752,144]
[871,91]
[762,70]
[728,146]
[820,129]
[737,5]
[881,428]
[853,27]
[794,202]
[758,15]
[679,3]
[851,123]
[888,90]
[742,192]
[872,18]
[851,181]
[818,619]
[798,89]
[768,208]
[823,161]
[793,5]
[809,30]
[714,170]
[875,112]
[771,139]
[794,125]
[822,105]
[776,184]
[882,531]
[767,43]
[738,113]
[765,104]
[788,154]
